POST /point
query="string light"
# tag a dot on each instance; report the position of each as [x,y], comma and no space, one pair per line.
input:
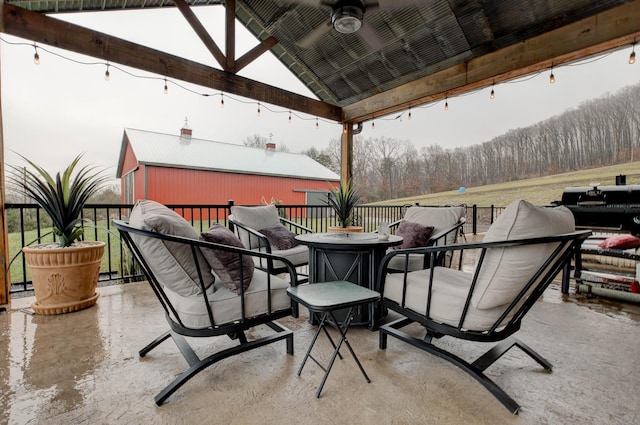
[36,59]
[373,124]
[493,93]
[36,56]
[632,56]
[344,129]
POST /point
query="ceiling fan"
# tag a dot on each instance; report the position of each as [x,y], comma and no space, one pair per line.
[347,17]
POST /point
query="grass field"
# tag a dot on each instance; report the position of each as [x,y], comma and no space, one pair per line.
[539,191]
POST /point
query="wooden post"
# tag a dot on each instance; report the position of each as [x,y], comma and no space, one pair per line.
[346,152]
[5,279]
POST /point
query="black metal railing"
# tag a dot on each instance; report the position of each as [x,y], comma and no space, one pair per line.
[28,224]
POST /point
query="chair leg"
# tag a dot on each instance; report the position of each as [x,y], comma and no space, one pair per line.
[154,343]
[488,358]
[196,364]
[474,369]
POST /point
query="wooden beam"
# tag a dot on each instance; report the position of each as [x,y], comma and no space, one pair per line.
[46,30]
[254,53]
[230,31]
[346,153]
[200,30]
[600,33]
[5,278]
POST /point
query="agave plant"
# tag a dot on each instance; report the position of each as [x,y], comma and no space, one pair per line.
[62,198]
[343,200]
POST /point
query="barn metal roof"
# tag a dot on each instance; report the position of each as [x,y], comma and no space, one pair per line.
[168,150]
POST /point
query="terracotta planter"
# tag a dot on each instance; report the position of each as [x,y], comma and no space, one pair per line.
[64,279]
[348,229]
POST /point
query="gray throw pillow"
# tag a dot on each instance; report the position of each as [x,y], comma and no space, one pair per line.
[280,237]
[414,235]
[172,263]
[226,265]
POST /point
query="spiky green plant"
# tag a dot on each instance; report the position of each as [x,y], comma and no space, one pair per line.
[343,200]
[62,198]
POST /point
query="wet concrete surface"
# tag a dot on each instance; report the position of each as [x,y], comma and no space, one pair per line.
[83,367]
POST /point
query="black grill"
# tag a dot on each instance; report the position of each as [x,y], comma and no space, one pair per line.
[615,207]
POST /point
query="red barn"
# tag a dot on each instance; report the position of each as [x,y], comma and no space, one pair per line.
[180,169]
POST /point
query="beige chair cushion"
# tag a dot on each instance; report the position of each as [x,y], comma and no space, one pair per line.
[225,305]
[439,218]
[298,255]
[450,289]
[256,218]
[505,271]
[172,263]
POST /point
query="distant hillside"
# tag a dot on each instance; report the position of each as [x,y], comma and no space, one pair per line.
[540,190]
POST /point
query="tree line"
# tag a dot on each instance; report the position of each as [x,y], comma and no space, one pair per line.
[599,132]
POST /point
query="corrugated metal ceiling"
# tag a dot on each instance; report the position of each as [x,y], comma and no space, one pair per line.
[401,41]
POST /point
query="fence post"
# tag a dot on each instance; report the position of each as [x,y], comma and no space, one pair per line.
[474,222]
[229,205]
[491,221]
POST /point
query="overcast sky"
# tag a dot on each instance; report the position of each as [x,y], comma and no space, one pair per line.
[55,110]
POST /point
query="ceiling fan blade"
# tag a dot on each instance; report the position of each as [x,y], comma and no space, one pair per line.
[316,34]
[394,4]
[370,36]
[316,2]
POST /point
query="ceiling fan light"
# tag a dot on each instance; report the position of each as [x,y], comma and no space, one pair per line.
[347,19]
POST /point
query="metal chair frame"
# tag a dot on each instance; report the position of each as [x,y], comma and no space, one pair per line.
[559,260]
[265,246]
[234,330]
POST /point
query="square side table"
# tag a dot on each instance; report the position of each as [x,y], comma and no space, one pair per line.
[323,299]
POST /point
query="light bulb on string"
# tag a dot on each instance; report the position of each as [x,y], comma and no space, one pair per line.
[36,56]
[222,100]
[493,93]
[107,75]
[373,124]
[258,109]
[166,88]
[289,117]
[317,124]
[446,103]
[632,56]
[409,115]
[345,129]
[552,78]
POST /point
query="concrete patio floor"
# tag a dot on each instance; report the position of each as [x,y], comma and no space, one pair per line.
[83,367]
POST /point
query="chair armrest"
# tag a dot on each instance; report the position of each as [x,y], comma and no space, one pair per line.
[295,226]
[441,235]
[392,226]
[262,239]
[433,252]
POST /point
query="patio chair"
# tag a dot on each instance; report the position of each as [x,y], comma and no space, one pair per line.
[426,226]
[207,287]
[261,229]
[522,252]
